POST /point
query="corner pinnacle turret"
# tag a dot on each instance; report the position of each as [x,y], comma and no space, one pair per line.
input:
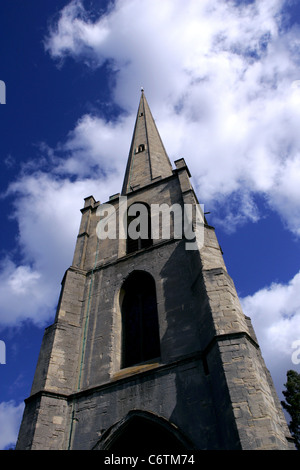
[147,160]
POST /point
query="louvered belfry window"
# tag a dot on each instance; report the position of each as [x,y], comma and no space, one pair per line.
[139,242]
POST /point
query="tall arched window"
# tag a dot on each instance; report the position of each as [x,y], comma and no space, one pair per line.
[138,227]
[140,329]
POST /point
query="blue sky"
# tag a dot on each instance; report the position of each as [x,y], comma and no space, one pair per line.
[223,82]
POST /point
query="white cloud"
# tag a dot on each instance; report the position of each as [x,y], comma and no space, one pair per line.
[275,314]
[218,77]
[97,144]
[22,295]
[11,415]
[284,195]
[47,211]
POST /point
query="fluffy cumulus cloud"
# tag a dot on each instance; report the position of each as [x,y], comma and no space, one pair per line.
[91,149]
[11,415]
[48,215]
[275,313]
[223,80]
[46,207]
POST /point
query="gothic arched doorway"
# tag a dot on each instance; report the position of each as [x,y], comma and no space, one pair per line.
[143,432]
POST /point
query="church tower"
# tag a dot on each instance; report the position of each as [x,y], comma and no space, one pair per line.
[150,349]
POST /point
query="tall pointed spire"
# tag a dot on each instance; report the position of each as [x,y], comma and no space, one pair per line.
[147,160]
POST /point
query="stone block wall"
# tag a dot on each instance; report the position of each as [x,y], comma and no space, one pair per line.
[210,381]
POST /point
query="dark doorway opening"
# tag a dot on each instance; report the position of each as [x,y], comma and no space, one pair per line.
[144,435]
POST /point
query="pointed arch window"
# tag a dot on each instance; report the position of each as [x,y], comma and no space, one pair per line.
[138,227]
[140,328]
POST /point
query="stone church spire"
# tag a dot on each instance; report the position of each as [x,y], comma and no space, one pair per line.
[150,350]
[147,160]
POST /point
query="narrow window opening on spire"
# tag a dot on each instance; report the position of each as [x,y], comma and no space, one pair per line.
[140,148]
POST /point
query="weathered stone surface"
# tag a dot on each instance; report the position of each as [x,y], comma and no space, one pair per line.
[210,381]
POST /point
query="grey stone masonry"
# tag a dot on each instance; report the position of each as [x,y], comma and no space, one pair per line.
[209,387]
[147,159]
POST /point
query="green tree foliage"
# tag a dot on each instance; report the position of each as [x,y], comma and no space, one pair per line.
[292,404]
